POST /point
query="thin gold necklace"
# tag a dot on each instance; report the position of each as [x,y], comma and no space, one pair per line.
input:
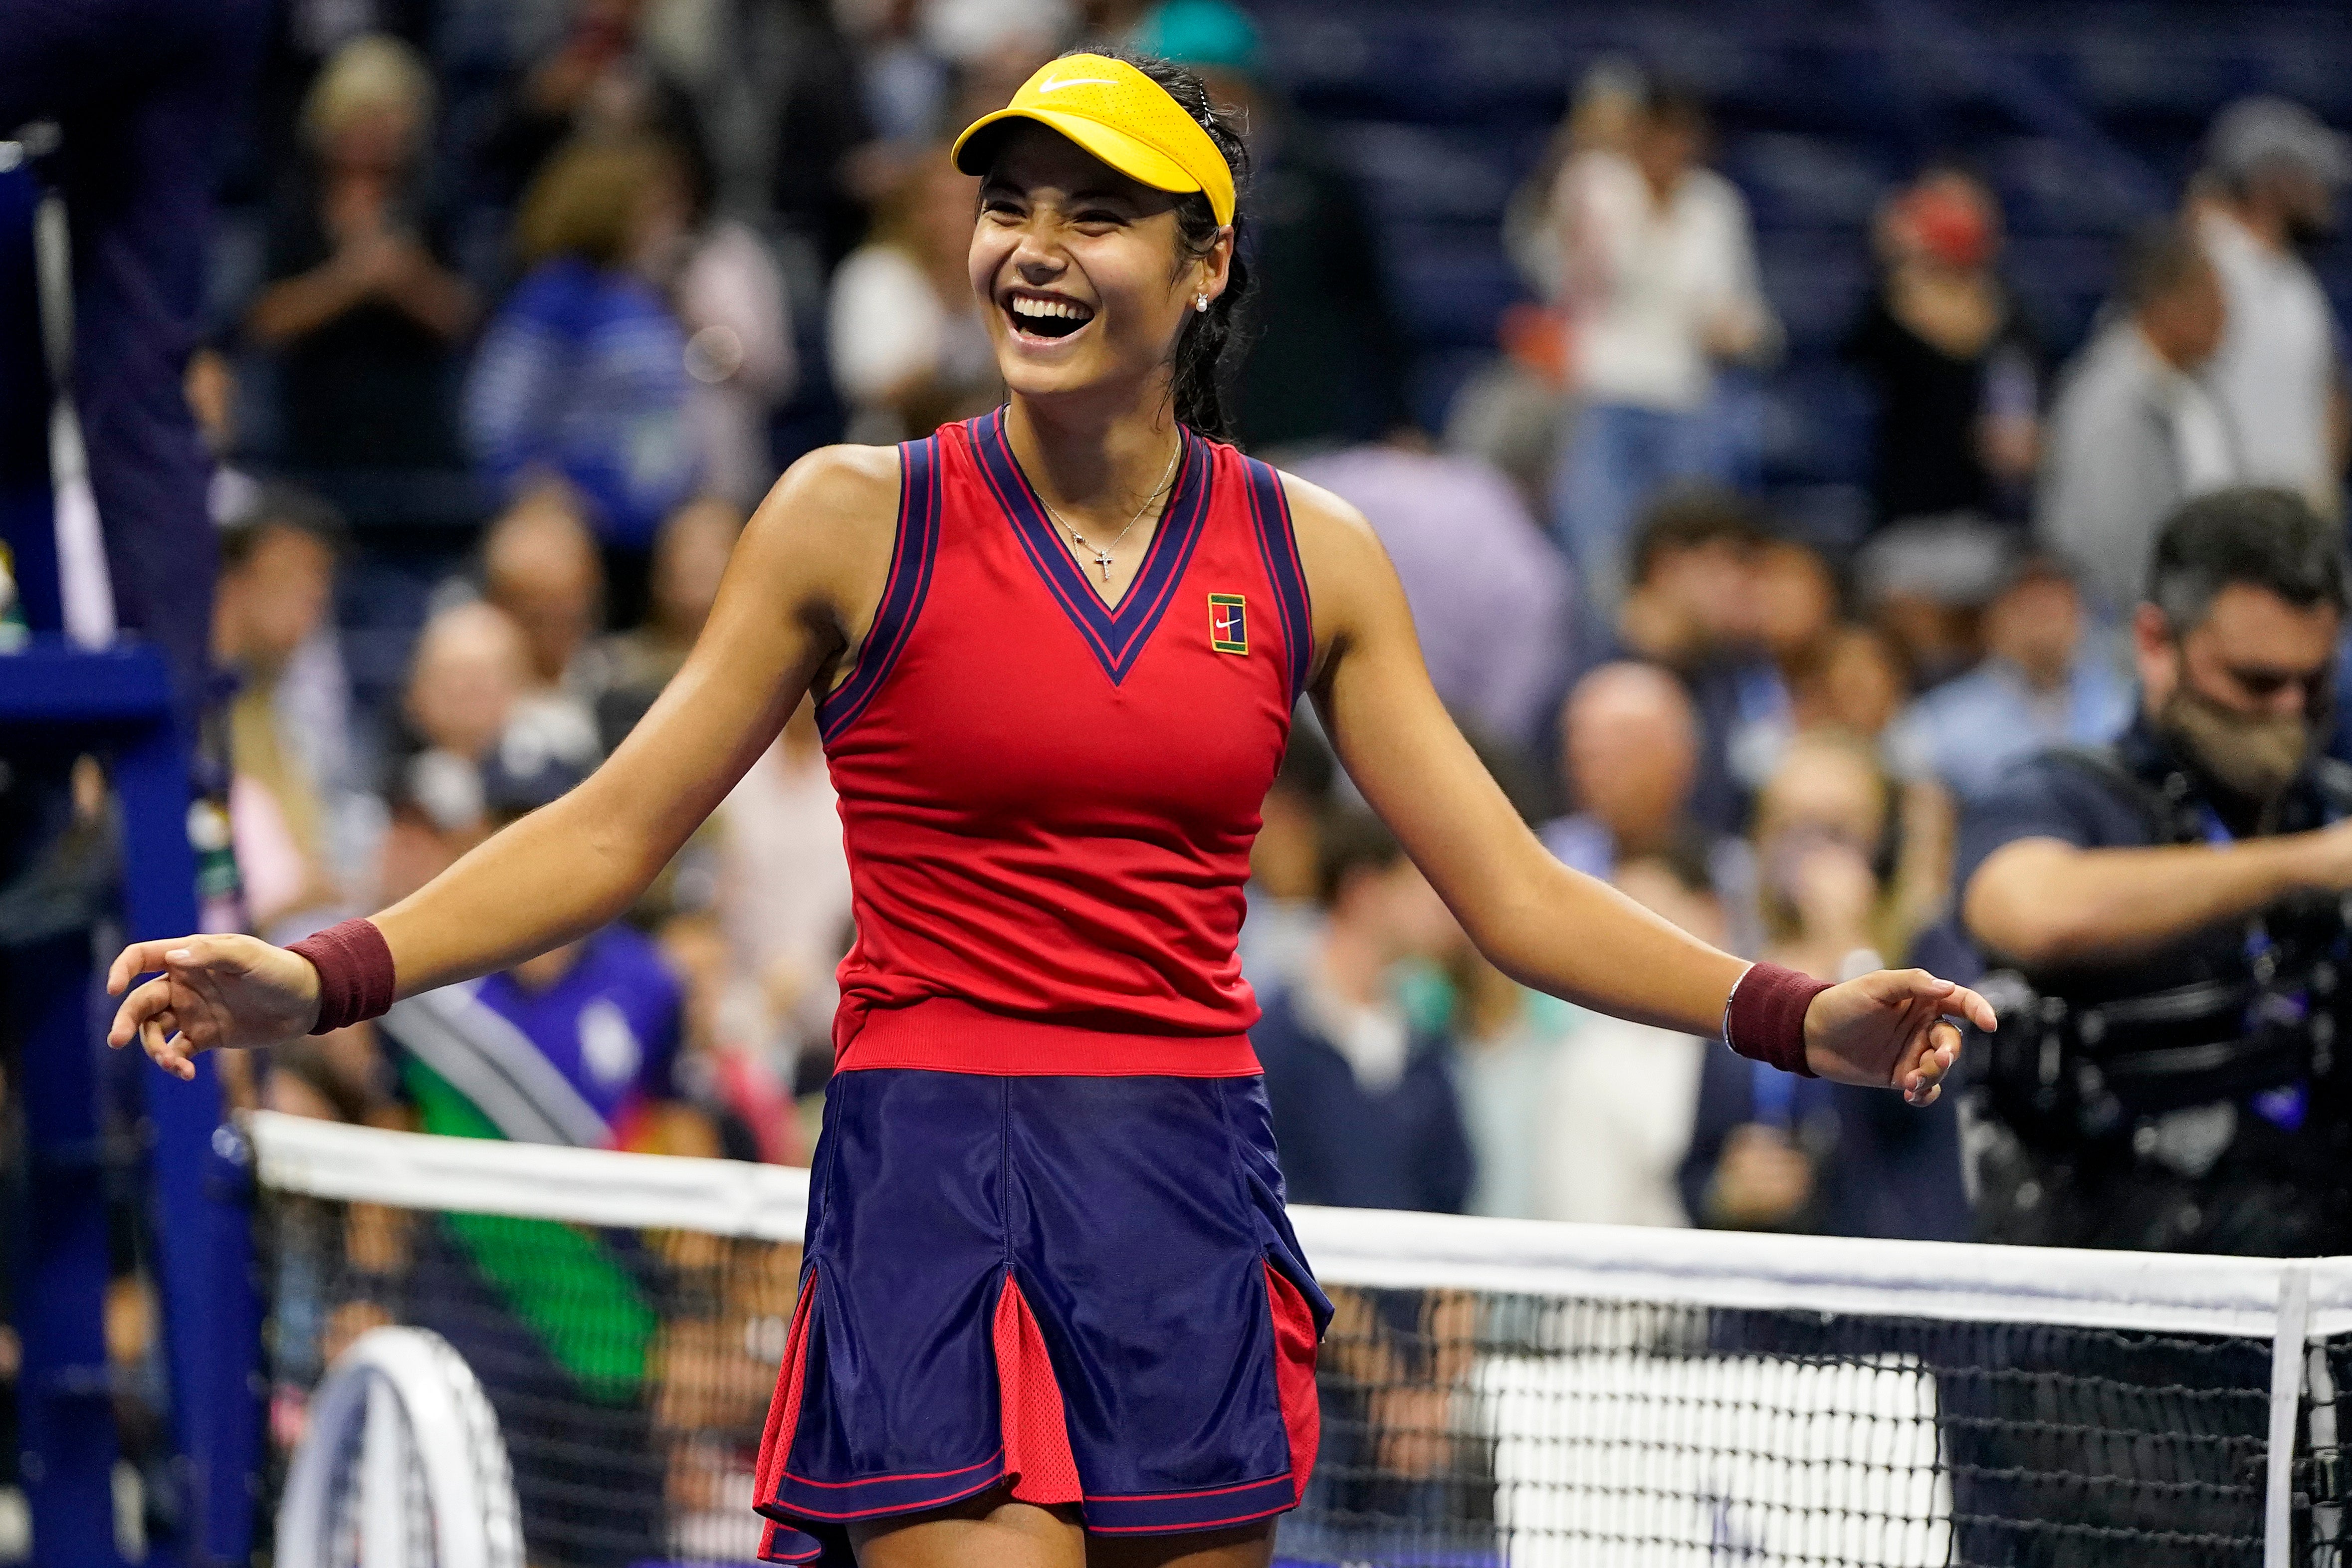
[1102,553]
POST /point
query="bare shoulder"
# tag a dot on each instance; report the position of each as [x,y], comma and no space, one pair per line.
[1329,529]
[1351,588]
[840,496]
[825,531]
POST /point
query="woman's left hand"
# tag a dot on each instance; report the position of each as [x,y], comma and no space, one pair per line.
[1890,1029]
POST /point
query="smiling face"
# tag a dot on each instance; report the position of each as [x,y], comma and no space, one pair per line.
[1084,272]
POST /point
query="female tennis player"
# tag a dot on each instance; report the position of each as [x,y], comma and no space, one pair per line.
[1051,1312]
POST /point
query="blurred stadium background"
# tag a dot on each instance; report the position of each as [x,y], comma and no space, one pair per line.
[511,310]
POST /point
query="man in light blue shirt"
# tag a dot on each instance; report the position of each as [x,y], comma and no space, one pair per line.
[2036,687]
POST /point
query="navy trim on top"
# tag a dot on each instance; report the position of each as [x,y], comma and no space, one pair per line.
[902,593]
[1116,636]
[1278,544]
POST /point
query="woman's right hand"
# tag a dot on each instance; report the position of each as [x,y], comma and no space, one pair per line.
[212,991]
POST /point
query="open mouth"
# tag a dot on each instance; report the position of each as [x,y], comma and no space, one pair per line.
[1046,315]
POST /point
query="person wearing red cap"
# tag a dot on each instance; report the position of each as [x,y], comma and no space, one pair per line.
[1051,1309]
[1953,364]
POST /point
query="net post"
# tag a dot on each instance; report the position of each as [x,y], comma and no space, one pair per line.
[2287,1342]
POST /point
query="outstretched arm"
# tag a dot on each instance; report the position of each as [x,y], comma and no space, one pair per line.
[2043,903]
[1544,925]
[799,593]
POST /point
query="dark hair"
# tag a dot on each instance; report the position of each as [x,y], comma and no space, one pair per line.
[1669,101]
[1691,518]
[2158,261]
[1353,842]
[2268,539]
[585,199]
[279,506]
[1209,346]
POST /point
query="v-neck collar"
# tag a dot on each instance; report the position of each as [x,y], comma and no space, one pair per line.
[1116,636]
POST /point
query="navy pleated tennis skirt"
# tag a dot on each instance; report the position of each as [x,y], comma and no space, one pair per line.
[1082,1290]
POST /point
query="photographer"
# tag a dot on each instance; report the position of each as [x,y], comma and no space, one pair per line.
[2174,904]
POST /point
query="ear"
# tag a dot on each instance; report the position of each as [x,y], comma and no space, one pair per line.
[2156,653]
[1215,268]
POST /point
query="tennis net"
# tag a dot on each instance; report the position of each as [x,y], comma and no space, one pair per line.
[1493,1391]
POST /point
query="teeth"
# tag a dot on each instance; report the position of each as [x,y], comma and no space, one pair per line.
[1061,308]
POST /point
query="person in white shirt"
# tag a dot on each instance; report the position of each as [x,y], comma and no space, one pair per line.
[2268,191]
[1659,282]
[2133,432]
[1617,1099]
[909,344]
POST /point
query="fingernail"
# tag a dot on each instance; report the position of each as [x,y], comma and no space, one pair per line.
[179,955]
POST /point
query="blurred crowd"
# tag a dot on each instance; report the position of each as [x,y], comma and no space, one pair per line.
[616,262]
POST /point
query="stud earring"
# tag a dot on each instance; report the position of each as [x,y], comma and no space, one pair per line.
[1200,300]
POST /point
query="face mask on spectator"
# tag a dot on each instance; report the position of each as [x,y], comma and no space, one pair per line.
[2256,756]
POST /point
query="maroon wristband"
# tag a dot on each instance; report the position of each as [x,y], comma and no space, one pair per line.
[1765,1018]
[354,969]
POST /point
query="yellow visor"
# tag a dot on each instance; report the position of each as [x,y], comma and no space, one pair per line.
[1122,117]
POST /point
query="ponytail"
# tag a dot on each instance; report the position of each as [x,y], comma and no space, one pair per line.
[1210,345]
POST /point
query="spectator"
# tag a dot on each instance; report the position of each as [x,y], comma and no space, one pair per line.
[600,82]
[690,555]
[539,565]
[910,347]
[1617,1104]
[1364,1104]
[1490,596]
[2035,689]
[1824,826]
[2134,432]
[1628,758]
[1507,1040]
[1796,599]
[582,374]
[992,46]
[1859,686]
[469,670]
[275,587]
[801,79]
[1949,355]
[903,85]
[578,1046]
[1659,279]
[2267,196]
[1774,1152]
[1924,584]
[1284,923]
[729,294]
[725,1062]
[1604,112]
[361,307]
[1328,363]
[313,697]
[783,884]
[1692,609]
[1513,411]
[1861,692]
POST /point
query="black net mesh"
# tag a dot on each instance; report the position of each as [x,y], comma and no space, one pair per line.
[1462,1428]
[630,1372]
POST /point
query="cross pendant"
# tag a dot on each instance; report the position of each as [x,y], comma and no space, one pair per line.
[1103,560]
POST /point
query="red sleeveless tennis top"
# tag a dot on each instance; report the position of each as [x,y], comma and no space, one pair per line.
[1049,804]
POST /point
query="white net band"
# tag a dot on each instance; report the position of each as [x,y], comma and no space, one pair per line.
[2150,1292]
